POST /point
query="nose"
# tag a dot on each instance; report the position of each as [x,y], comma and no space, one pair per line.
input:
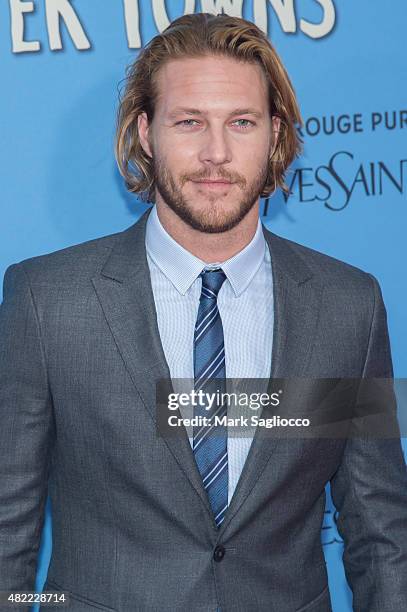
[215,146]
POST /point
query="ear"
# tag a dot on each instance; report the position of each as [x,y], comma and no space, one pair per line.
[143,132]
[275,128]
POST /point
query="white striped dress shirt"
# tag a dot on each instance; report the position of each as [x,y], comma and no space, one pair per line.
[245,303]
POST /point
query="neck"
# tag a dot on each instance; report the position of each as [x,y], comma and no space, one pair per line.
[209,248]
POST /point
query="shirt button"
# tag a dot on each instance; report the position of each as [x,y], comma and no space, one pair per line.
[219,553]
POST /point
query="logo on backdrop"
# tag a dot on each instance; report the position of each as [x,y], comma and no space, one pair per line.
[343,175]
[59,13]
[329,532]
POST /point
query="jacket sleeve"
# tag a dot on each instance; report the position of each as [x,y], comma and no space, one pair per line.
[369,491]
[26,433]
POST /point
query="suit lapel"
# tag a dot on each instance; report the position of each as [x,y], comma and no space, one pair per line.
[297,298]
[126,297]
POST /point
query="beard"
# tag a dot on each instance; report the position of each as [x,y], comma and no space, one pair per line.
[213,218]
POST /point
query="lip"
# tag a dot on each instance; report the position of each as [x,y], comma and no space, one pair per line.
[219,187]
[213,183]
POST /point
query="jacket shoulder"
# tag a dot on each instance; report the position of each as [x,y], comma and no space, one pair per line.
[329,270]
[78,261]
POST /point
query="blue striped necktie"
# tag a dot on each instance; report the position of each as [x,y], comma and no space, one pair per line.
[210,442]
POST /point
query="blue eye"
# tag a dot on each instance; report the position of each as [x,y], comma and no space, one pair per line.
[191,122]
[185,122]
[248,123]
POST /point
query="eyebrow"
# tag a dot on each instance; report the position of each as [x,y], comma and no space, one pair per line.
[196,111]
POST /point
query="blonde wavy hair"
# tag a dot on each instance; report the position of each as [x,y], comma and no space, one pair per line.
[197,35]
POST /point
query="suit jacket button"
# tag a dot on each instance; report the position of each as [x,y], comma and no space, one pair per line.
[219,553]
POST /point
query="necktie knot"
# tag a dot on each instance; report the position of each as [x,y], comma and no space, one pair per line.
[212,281]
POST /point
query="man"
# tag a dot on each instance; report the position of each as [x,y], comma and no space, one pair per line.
[196,289]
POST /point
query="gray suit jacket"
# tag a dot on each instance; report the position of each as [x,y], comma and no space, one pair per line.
[80,353]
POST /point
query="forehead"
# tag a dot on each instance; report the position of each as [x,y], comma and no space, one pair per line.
[213,82]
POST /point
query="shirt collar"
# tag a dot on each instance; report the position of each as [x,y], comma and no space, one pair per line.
[182,267]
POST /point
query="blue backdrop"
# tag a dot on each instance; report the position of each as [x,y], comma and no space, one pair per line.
[61,64]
